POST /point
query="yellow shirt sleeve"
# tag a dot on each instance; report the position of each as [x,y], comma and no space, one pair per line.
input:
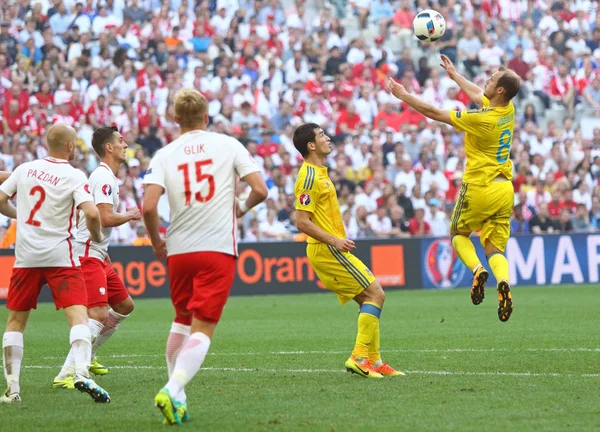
[471,121]
[306,190]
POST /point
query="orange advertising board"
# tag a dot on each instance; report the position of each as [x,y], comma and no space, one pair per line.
[6,265]
[387,263]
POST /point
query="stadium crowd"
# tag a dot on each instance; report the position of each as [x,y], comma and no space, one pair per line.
[266,68]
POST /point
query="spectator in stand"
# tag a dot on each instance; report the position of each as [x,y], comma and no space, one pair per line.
[417,226]
[468,48]
[438,219]
[565,224]
[580,221]
[272,229]
[541,222]
[142,239]
[379,223]
[518,224]
[591,97]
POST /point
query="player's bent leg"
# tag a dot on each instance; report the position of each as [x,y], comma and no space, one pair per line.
[81,348]
[12,354]
[465,249]
[112,320]
[375,295]
[499,265]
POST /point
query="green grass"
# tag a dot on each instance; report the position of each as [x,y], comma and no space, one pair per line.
[466,371]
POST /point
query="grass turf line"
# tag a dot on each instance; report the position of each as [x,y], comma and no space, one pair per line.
[502,373]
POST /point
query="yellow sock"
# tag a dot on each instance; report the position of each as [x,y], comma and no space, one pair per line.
[465,250]
[499,266]
[374,354]
[368,321]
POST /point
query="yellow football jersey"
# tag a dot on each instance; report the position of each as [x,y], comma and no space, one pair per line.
[488,139]
[315,193]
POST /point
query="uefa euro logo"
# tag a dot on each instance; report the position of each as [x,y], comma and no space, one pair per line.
[442,265]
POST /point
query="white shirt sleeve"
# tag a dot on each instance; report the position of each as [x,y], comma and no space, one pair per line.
[81,190]
[9,187]
[155,174]
[244,163]
[103,188]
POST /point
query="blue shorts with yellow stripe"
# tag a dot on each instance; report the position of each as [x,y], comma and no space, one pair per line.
[485,209]
[340,272]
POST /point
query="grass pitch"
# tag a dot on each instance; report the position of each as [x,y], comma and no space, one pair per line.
[276,364]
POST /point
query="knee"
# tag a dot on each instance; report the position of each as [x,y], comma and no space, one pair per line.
[125,307]
[490,249]
[99,314]
[377,295]
[183,317]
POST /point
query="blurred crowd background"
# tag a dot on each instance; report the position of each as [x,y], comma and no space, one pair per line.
[266,66]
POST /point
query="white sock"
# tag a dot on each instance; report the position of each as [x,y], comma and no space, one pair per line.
[95,329]
[68,369]
[188,362]
[12,349]
[81,347]
[109,328]
[178,336]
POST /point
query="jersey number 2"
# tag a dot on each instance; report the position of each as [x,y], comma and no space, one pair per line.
[185,168]
[505,142]
[37,205]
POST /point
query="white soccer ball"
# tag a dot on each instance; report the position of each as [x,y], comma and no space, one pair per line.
[429,26]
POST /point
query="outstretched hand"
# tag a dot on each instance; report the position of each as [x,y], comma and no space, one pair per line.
[448,66]
[397,89]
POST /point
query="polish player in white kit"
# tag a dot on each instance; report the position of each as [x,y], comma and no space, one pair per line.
[104,287]
[48,192]
[198,172]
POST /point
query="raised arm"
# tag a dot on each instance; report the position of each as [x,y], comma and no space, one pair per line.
[419,105]
[472,90]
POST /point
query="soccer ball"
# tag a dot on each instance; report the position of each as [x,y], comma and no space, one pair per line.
[429,26]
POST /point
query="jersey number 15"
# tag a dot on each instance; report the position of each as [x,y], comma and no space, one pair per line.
[200,177]
[505,142]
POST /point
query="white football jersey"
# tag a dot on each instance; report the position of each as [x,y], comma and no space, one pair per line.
[105,190]
[48,192]
[198,172]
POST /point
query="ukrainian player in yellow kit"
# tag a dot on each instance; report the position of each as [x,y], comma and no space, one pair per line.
[318,216]
[486,197]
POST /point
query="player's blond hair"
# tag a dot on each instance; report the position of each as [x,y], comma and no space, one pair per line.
[190,107]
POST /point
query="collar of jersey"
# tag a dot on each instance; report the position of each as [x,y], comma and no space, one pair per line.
[108,168]
[56,159]
[322,168]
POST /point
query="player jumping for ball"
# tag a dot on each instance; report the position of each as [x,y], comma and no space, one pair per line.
[328,250]
[486,197]
[48,192]
[198,172]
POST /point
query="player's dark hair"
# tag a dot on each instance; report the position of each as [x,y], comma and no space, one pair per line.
[303,135]
[101,136]
[510,82]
